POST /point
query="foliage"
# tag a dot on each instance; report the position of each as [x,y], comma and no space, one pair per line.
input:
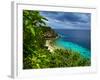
[32,20]
[70,58]
[42,58]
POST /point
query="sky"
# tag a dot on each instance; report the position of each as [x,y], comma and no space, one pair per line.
[67,20]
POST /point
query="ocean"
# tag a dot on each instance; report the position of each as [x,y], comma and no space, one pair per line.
[78,40]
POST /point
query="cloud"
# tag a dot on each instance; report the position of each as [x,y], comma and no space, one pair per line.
[69,20]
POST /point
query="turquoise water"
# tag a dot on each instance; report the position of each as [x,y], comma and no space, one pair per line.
[75,47]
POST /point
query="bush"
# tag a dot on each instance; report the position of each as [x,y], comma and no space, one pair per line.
[42,58]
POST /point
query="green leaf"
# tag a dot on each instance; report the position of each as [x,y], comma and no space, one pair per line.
[32,31]
[38,65]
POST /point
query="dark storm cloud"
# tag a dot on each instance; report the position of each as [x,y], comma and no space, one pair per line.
[68,19]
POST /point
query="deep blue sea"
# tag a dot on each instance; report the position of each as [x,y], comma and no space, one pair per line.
[77,40]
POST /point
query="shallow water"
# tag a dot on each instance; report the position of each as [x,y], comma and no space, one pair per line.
[75,47]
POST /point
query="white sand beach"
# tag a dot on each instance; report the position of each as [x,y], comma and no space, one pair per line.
[50,45]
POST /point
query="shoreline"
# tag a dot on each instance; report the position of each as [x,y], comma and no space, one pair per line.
[83,51]
[50,45]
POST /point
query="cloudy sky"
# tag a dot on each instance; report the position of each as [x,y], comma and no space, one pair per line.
[67,20]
